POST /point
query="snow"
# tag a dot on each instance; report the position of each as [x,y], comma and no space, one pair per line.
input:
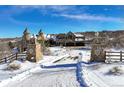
[111,80]
[7,75]
[78,35]
[64,77]
[27,69]
[79,39]
[96,75]
[50,37]
[58,70]
[51,76]
[85,54]
[115,49]
[91,79]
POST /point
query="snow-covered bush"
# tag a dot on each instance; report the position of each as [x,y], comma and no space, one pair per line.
[116,71]
[14,65]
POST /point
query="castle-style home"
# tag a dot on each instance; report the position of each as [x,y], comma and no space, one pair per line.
[70,39]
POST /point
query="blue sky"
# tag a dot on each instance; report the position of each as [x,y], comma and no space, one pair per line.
[59,19]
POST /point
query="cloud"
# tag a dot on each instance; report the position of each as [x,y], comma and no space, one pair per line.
[91,17]
[48,9]
[66,11]
[59,8]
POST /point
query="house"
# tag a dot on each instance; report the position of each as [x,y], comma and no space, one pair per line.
[51,39]
[60,39]
[70,39]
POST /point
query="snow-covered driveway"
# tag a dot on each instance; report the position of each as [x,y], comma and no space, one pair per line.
[60,73]
[49,77]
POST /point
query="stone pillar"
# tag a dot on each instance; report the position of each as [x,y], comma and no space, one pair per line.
[98,49]
[34,52]
[97,53]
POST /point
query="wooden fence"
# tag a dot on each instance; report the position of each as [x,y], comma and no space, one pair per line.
[114,56]
[12,57]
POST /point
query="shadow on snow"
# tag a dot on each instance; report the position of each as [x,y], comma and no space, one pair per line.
[60,66]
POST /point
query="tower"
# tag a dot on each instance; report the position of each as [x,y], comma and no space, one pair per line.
[26,35]
[25,40]
[40,36]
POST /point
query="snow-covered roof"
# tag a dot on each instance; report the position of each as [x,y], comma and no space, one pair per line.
[48,36]
[78,35]
[79,39]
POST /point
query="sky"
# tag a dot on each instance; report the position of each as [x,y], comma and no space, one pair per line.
[59,18]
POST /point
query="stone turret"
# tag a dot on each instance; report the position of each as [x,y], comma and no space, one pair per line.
[40,36]
[25,40]
[40,32]
[26,35]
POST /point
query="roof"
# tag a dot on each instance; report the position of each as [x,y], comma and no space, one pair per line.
[79,39]
[61,35]
[40,32]
[78,35]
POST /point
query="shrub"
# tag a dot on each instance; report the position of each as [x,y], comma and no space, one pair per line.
[116,71]
[14,66]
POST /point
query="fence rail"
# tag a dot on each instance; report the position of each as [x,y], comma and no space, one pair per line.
[12,57]
[114,56]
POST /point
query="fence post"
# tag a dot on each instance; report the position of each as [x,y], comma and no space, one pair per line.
[16,56]
[120,55]
[5,60]
[105,55]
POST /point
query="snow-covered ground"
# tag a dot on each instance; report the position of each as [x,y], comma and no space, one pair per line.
[63,69]
[98,75]
[54,77]
[85,54]
[59,70]
[25,66]
[5,74]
